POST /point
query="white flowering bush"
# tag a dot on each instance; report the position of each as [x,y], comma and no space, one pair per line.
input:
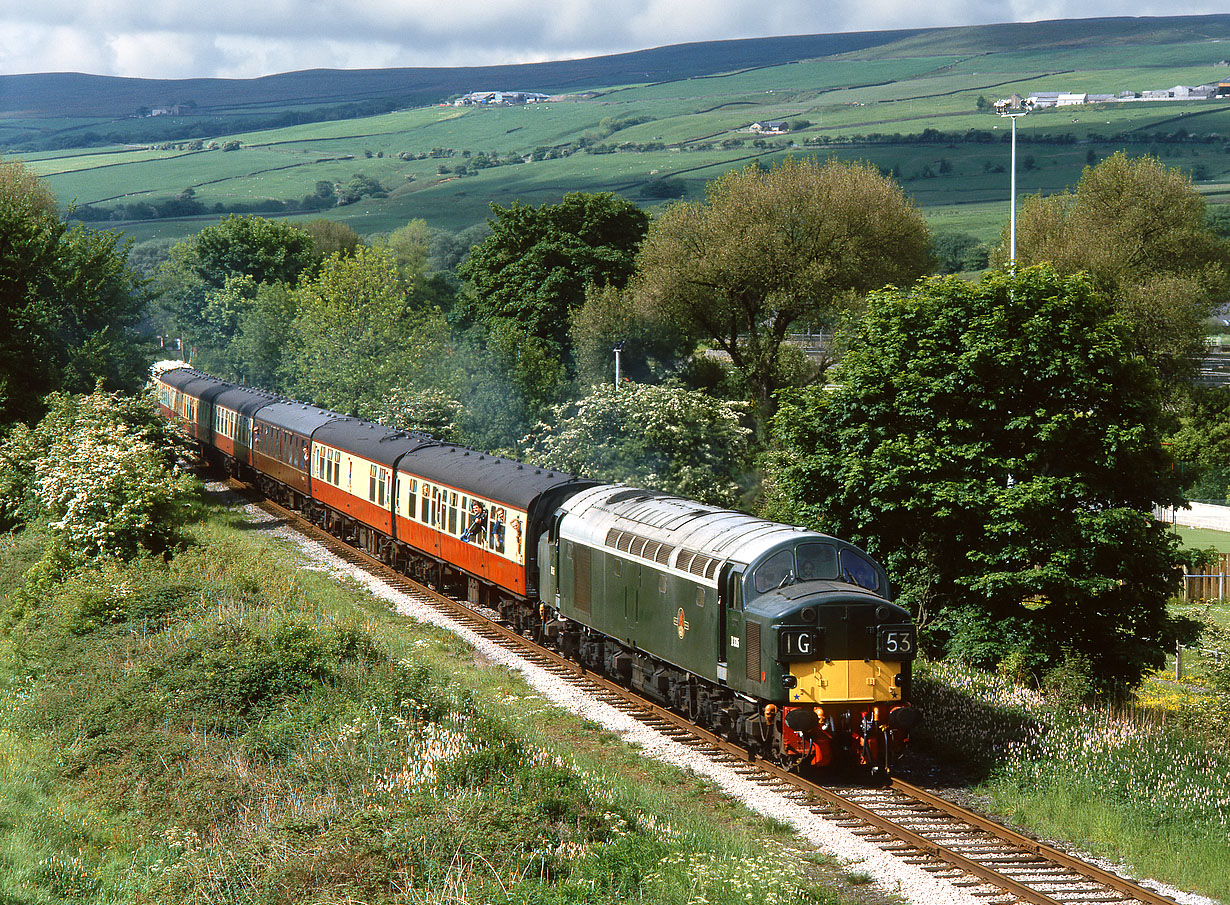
[99,468]
[661,437]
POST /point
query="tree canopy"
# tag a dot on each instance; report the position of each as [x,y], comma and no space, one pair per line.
[357,333]
[769,249]
[1139,229]
[211,280]
[69,303]
[997,446]
[535,265]
[661,437]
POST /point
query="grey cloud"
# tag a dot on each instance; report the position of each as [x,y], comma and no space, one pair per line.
[238,38]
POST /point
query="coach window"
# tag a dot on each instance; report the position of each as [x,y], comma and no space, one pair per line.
[381,485]
[371,490]
[452,513]
[412,499]
[424,516]
[497,529]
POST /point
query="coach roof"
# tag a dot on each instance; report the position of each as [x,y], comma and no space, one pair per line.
[370,440]
[194,383]
[244,400]
[494,477]
[296,417]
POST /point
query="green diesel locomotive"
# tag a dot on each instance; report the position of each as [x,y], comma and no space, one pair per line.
[781,639]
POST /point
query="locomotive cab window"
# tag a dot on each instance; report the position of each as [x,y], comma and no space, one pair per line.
[857,569]
[775,571]
[816,561]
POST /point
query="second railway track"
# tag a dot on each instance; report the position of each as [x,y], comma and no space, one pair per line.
[991,862]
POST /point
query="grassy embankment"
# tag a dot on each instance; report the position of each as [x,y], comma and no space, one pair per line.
[678,128]
[230,726]
[1143,785]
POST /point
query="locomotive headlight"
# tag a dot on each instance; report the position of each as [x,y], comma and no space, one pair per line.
[789,681]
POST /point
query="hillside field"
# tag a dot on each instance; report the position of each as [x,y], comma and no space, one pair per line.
[910,106]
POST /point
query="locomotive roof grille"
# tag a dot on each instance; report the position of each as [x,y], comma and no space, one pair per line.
[634,544]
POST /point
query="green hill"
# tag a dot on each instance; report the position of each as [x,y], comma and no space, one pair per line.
[653,125]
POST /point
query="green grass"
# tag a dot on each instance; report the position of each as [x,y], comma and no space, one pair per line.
[1203,538]
[230,726]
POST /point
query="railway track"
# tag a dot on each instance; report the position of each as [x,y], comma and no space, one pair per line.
[994,863]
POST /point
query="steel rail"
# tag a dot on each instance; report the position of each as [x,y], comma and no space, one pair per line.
[1033,846]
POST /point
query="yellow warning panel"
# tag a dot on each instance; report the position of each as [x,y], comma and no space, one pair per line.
[845,680]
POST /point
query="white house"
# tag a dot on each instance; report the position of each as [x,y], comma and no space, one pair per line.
[770,127]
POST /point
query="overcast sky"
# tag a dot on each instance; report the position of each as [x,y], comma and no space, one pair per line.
[247,38]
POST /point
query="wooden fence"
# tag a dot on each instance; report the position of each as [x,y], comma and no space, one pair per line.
[1210,583]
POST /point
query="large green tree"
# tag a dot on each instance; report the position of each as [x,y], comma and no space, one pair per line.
[210,281]
[769,249]
[1139,229]
[650,345]
[996,445]
[357,333]
[534,267]
[69,304]
[657,436]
